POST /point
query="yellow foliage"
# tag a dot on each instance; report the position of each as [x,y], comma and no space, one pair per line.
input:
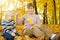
[0,28]
[1,38]
[53,28]
[29,1]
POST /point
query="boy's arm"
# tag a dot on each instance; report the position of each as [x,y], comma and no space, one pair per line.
[10,32]
[38,22]
[3,23]
[5,29]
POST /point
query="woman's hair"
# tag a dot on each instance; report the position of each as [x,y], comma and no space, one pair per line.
[30,5]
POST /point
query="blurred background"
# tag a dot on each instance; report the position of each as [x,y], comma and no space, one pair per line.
[48,11]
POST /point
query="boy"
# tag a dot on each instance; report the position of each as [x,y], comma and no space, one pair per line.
[8,25]
[31,22]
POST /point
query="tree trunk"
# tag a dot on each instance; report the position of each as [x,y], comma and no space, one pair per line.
[45,20]
[54,14]
[34,2]
[59,15]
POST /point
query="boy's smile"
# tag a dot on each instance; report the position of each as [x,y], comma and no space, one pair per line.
[10,18]
[31,10]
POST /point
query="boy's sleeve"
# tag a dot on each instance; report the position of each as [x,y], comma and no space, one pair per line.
[21,19]
[3,23]
[10,32]
[38,22]
[14,26]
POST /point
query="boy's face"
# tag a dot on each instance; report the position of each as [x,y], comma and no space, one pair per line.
[31,10]
[10,18]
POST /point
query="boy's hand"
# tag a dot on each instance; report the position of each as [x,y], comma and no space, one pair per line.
[13,34]
[33,26]
[16,12]
[14,31]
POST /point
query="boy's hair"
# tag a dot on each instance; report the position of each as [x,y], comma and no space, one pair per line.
[7,14]
[30,5]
